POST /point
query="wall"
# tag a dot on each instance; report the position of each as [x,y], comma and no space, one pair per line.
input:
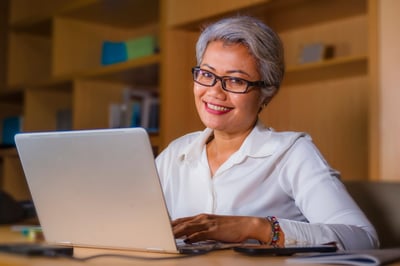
[3,43]
[389,84]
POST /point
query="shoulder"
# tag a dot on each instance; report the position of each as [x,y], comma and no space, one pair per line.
[294,149]
[184,140]
[180,147]
[297,146]
[265,141]
[260,131]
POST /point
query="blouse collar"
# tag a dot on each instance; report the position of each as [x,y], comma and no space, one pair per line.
[259,143]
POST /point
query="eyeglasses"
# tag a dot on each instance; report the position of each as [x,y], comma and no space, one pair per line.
[230,84]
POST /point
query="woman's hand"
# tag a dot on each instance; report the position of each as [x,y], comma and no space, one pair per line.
[233,229]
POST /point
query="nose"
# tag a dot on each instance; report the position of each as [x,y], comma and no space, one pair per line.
[219,84]
[217,90]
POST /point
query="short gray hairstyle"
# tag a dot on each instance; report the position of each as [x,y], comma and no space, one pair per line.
[263,43]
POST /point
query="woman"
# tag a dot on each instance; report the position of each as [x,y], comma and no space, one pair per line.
[239,180]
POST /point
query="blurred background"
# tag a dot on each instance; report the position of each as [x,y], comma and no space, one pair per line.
[85,64]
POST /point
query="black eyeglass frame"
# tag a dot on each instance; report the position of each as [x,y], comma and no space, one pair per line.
[259,84]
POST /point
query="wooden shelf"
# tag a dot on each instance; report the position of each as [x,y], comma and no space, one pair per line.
[55,55]
[54,60]
[63,41]
[301,13]
[121,13]
[328,63]
[327,69]
[140,71]
[317,98]
[190,14]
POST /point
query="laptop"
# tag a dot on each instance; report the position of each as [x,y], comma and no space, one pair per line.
[98,188]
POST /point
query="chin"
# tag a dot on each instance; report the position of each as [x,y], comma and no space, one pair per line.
[212,124]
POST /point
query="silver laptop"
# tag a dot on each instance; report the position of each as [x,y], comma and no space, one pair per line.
[97,188]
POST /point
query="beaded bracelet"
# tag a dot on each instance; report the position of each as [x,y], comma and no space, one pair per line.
[276,229]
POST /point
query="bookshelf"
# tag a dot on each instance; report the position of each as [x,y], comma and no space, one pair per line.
[56,51]
[328,99]
[53,63]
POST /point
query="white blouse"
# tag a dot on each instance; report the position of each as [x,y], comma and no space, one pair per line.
[280,174]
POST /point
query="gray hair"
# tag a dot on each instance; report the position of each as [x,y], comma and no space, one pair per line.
[263,43]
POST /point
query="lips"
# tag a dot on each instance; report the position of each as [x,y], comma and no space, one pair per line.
[217,108]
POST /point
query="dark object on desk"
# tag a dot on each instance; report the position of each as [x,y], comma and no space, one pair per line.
[32,249]
[10,210]
[29,209]
[259,250]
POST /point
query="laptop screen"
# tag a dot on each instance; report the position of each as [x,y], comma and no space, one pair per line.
[97,188]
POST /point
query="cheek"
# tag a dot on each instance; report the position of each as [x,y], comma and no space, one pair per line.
[197,94]
[195,89]
[251,103]
[198,91]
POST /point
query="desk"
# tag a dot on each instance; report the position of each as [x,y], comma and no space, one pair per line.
[221,257]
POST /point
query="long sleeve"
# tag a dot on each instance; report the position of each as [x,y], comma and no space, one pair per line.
[274,173]
[347,237]
[332,215]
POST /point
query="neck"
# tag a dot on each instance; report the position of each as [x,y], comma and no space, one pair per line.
[221,146]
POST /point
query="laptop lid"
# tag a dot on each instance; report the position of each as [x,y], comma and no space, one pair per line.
[97,188]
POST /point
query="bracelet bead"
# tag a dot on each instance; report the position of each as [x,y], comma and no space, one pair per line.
[276,231]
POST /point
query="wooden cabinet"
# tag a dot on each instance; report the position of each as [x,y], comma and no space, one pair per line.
[327,99]
[384,64]
[53,63]
[55,57]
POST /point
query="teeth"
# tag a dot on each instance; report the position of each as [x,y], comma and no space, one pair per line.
[217,108]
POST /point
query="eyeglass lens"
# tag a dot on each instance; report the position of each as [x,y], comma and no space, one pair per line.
[209,79]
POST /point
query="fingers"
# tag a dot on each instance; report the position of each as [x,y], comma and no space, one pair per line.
[212,227]
[233,229]
[182,220]
[190,225]
[198,236]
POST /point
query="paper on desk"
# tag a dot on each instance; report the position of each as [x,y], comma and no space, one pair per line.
[373,257]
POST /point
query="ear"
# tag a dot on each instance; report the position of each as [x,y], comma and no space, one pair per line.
[265,102]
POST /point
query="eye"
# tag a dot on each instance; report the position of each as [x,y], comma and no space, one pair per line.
[206,74]
[236,81]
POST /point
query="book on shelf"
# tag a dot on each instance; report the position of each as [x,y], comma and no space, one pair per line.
[316,52]
[64,119]
[11,125]
[150,113]
[140,108]
[373,257]
[116,115]
[120,51]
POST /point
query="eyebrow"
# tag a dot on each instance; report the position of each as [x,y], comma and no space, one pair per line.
[229,72]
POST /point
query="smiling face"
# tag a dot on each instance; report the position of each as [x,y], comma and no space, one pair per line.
[221,110]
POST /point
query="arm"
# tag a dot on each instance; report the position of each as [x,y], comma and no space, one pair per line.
[233,229]
[332,214]
[347,237]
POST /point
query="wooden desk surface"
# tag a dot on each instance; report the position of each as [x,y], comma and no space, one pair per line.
[221,257]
